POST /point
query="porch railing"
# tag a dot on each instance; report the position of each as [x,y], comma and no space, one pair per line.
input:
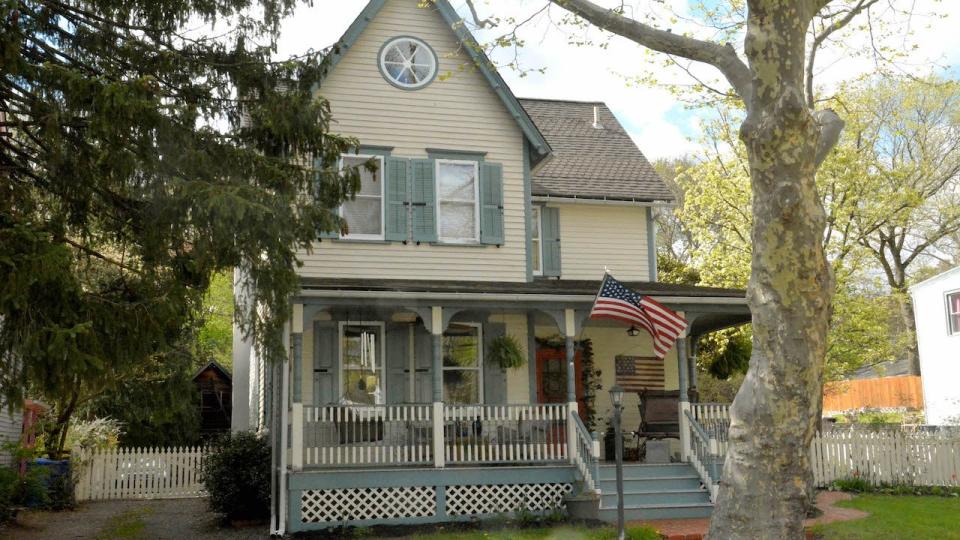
[705,427]
[428,434]
[587,457]
[337,435]
[504,433]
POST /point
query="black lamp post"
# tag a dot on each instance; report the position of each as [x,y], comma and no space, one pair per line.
[616,397]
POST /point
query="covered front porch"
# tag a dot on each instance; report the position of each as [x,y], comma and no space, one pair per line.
[391,396]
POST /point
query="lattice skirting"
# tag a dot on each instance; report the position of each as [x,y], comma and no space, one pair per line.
[495,499]
[359,504]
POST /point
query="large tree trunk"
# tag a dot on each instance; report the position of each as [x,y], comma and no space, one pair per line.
[905,310]
[763,489]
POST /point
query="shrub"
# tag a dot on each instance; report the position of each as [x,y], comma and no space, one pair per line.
[8,489]
[236,474]
[96,434]
[859,485]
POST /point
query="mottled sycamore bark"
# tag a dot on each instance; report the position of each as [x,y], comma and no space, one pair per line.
[765,481]
[764,486]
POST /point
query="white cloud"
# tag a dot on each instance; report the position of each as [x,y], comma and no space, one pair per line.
[590,73]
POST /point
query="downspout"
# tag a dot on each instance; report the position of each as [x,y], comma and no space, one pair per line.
[280,486]
[651,245]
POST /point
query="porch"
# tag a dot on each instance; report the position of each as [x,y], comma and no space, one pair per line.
[396,415]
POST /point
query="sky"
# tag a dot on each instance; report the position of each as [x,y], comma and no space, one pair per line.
[660,125]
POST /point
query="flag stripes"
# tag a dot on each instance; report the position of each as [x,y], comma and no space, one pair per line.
[615,301]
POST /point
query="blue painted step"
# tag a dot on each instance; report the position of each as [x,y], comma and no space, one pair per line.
[658,511]
[609,472]
[668,491]
[640,498]
[690,481]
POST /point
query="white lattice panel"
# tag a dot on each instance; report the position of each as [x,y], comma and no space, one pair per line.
[357,504]
[497,499]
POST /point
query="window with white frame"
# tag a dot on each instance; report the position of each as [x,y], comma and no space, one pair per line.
[362,363]
[462,366]
[536,243]
[364,214]
[458,197]
[953,312]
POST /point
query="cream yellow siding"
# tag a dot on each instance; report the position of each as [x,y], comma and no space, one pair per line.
[518,379]
[596,236]
[458,111]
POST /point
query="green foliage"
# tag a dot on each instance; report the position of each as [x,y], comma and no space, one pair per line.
[670,270]
[879,417]
[131,182]
[8,488]
[507,352]
[714,390]
[726,352]
[236,474]
[860,485]
[215,336]
[96,434]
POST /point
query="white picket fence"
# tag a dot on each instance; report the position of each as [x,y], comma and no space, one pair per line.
[138,473]
[887,457]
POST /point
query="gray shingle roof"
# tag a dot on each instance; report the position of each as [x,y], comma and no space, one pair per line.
[588,162]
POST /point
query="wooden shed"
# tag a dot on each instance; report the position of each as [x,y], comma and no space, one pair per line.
[216,394]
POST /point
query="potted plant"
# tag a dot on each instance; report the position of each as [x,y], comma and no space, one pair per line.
[506,351]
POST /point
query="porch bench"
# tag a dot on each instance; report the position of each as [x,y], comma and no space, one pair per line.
[659,414]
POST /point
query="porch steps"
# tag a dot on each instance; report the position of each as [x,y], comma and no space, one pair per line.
[668,491]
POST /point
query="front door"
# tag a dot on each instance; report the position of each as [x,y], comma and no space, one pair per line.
[552,376]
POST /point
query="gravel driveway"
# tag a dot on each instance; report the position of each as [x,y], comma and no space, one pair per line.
[171,519]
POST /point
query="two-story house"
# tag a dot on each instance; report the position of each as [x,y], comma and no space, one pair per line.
[490,222]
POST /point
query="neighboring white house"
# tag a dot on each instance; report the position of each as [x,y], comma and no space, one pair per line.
[11,425]
[936,306]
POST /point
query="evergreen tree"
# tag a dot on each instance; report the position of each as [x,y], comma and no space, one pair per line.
[138,158]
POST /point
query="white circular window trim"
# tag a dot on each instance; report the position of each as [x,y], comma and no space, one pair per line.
[407,62]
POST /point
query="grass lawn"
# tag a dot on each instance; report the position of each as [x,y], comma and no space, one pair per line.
[896,517]
[544,533]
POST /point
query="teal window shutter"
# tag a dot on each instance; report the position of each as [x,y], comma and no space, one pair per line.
[424,200]
[550,223]
[491,203]
[397,196]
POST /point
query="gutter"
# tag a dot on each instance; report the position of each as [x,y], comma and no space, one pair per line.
[604,201]
[507,297]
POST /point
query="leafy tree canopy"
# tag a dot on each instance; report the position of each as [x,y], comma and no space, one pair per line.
[139,158]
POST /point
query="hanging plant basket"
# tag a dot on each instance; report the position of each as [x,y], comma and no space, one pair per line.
[507,352]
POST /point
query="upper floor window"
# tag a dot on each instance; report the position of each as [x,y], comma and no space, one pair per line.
[536,241]
[408,63]
[364,214]
[458,196]
[953,312]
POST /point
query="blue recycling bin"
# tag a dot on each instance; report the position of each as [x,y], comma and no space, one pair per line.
[57,474]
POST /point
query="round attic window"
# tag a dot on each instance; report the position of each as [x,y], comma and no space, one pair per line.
[408,63]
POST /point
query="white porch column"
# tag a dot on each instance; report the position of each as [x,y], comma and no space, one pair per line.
[684,397]
[436,331]
[569,332]
[296,428]
[242,370]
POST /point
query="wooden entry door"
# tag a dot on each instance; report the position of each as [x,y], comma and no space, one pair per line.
[552,376]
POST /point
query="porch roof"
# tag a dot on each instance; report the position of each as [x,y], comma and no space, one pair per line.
[536,287]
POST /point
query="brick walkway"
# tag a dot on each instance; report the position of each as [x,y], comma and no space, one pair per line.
[696,529]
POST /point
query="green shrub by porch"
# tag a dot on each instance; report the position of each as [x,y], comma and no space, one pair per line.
[236,474]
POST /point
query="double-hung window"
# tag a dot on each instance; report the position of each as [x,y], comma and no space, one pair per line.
[364,214]
[458,196]
[462,366]
[536,241]
[953,312]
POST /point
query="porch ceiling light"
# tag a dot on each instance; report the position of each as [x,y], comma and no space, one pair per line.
[633,331]
[616,395]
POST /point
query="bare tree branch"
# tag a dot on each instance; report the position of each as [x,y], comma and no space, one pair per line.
[722,57]
[823,35]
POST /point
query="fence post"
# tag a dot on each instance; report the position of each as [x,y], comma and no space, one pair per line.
[438,457]
[296,438]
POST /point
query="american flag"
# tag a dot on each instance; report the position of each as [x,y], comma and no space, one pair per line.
[615,301]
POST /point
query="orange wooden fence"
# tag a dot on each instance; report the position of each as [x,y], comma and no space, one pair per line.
[903,391]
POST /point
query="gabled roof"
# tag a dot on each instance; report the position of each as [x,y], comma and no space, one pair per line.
[591,162]
[538,143]
[935,278]
[213,364]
